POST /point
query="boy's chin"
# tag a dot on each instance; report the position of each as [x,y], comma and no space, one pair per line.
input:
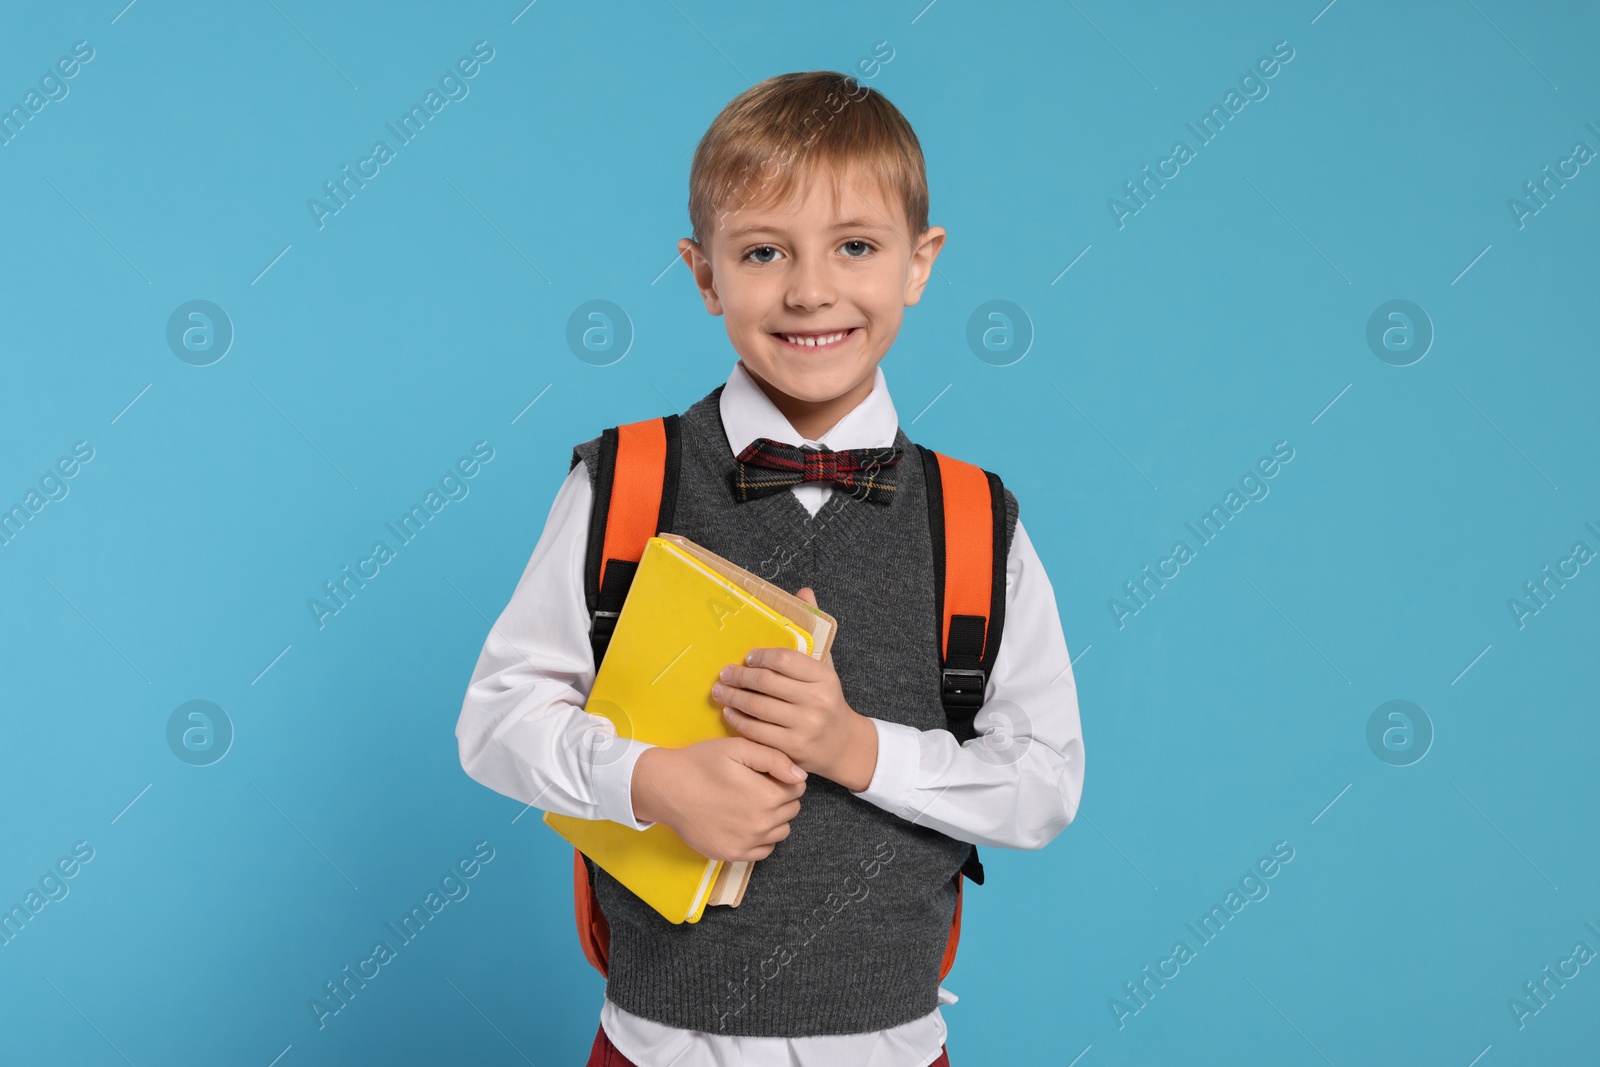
[817,386]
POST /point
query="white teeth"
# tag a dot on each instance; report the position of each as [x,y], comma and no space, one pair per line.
[812,342]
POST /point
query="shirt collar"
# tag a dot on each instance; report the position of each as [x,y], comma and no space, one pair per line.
[747,413]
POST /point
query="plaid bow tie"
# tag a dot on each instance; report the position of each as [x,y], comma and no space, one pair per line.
[768,466]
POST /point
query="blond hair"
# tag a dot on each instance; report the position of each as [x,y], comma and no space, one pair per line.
[782,131]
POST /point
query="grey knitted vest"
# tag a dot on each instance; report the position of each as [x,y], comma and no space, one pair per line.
[843,926]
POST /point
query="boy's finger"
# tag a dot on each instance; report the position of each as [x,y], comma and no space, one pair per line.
[760,706]
[762,757]
[788,810]
[789,661]
[757,729]
[788,792]
[751,729]
[762,680]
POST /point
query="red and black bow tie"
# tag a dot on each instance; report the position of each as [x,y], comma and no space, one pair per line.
[767,466]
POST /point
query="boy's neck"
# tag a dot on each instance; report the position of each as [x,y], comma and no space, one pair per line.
[813,418]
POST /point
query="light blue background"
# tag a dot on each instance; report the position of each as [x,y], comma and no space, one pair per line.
[1224,317]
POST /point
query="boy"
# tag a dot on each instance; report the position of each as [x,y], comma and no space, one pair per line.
[809,203]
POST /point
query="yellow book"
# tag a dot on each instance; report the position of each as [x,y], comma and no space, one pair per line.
[688,614]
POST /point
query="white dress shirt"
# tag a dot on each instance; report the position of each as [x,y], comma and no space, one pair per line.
[523,732]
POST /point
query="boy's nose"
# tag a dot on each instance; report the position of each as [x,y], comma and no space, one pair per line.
[811,286]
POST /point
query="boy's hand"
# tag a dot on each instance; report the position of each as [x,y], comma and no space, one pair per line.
[728,798]
[783,698]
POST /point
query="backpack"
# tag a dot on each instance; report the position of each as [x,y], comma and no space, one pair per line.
[636,497]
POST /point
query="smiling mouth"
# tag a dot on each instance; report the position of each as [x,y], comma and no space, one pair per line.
[818,339]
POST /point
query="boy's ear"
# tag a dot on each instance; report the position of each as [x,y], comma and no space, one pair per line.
[922,257]
[700,266]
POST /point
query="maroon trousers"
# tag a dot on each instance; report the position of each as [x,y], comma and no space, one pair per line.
[605,1054]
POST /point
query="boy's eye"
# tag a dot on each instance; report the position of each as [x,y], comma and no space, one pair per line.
[763,254]
[864,247]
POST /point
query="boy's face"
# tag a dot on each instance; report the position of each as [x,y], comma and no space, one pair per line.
[813,290]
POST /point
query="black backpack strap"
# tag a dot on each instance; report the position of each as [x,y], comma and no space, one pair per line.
[967,521]
[635,497]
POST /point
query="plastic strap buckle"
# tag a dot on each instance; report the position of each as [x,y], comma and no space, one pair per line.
[962,688]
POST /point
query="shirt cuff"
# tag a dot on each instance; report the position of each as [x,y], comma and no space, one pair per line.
[613,785]
[899,755]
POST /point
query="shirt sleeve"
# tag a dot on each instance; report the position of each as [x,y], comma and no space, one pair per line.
[1018,783]
[523,731]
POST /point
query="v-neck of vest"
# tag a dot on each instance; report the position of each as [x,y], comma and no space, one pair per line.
[839,520]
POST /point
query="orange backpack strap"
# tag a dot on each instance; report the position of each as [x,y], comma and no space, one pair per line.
[967,519]
[636,490]
[594,933]
[950,944]
[966,514]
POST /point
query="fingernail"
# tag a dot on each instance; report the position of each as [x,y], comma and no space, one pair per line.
[727,674]
[717,692]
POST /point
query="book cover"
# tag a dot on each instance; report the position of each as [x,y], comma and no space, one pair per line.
[688,614]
